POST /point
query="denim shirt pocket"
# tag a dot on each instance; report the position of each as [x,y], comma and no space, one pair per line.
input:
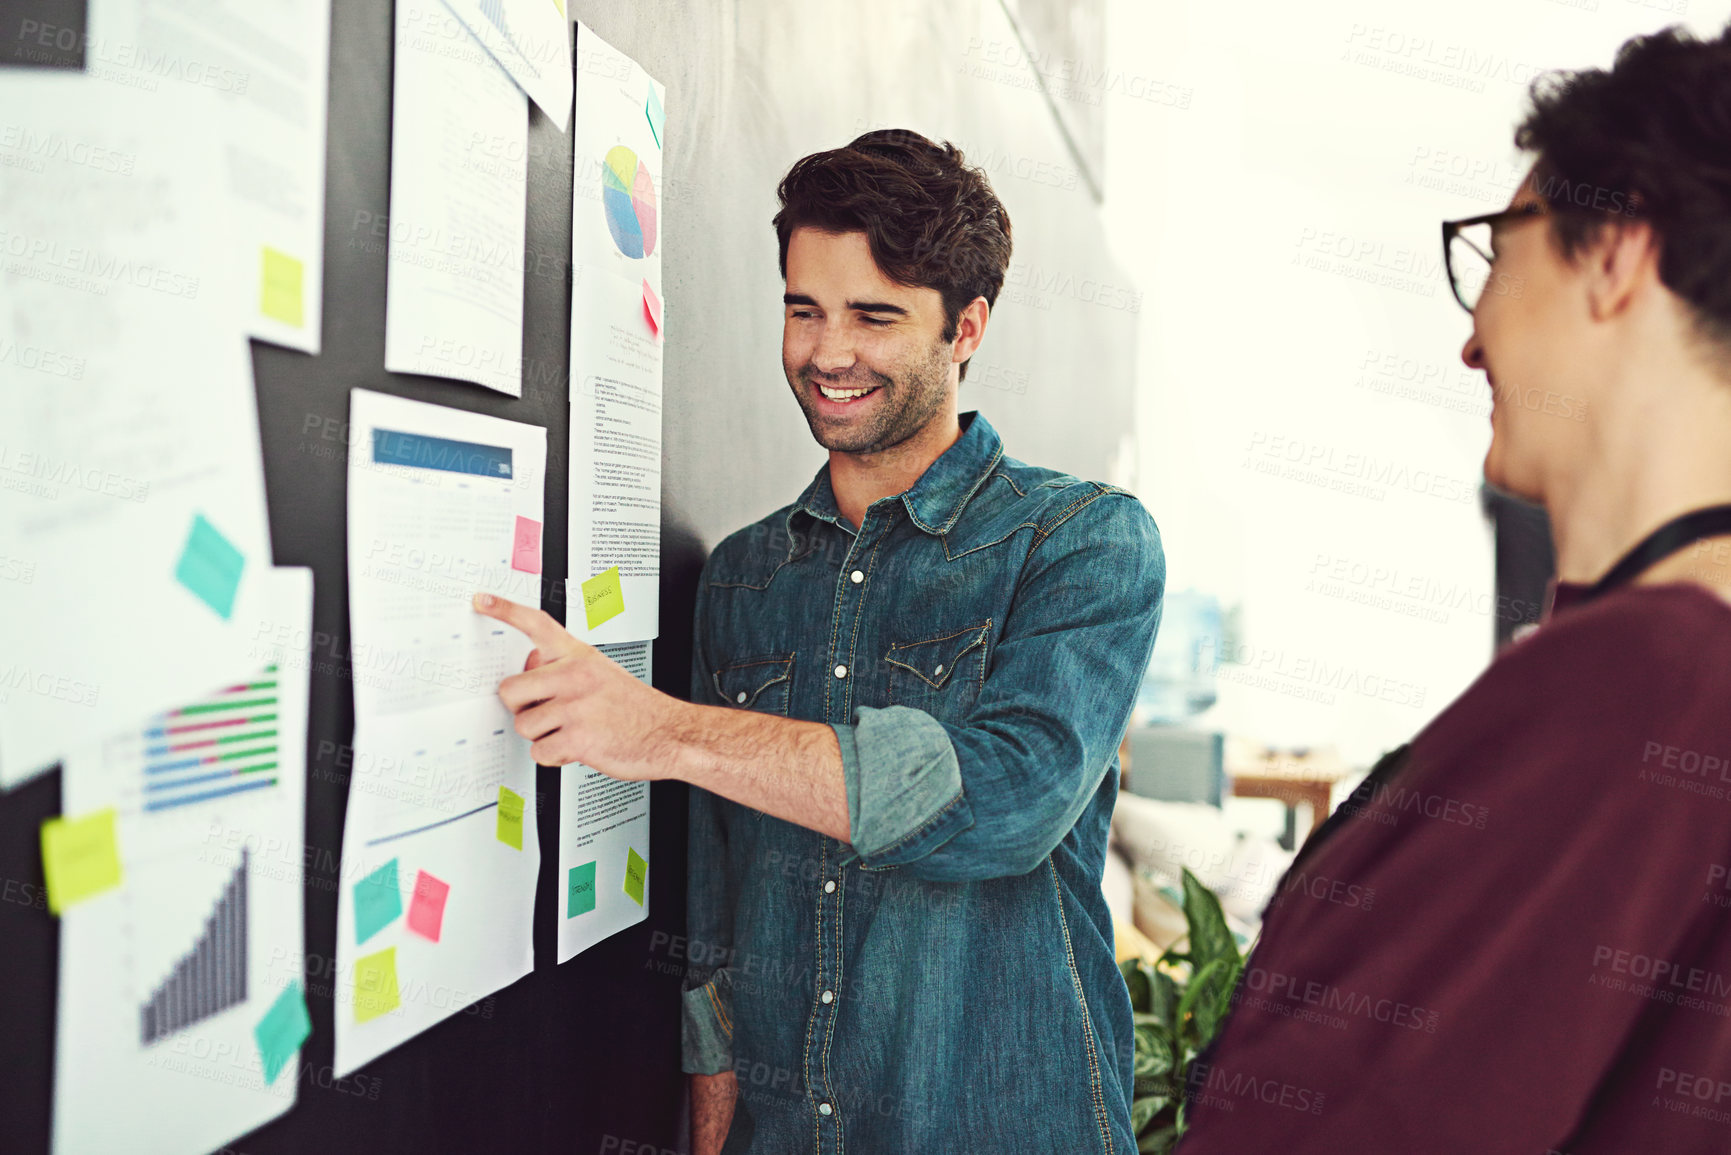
[760,683]
[940,675]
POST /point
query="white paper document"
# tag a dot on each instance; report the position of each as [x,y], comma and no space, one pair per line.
[616,347]
[532,40]
[180,990]
[440,852]
[260,72]
[603,842]
[132,505]
[459,181]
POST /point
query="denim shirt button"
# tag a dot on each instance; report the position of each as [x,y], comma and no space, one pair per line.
[828,996]
[841,671]
[856,577]
[829,887]
[740,697]
[823,1108]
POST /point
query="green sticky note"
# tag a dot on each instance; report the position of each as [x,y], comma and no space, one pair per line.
[378,901]
[603,597]
[510,827]
[282,1030]
[656,116]
[580,890]
[210,566]
[80,857]
[281,292]
[376,985]
[636,871]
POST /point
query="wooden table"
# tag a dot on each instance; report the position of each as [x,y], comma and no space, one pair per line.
[1290,778]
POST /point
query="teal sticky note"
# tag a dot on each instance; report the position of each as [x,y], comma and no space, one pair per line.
[378,901]
[210,566]
[580,890]
[656,116]
[282,1031]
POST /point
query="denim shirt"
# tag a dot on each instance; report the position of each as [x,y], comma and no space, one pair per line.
[946,983]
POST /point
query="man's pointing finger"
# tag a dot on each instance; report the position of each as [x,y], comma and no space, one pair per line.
[549,636]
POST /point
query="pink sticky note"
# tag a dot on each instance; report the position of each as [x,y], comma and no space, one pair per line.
[526,546]
[652,307]
[427,911]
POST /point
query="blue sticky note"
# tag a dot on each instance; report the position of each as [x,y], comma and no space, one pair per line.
[282,1031]
[210,566]
[378,901]
[657,117]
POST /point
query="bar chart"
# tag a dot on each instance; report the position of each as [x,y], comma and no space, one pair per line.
[210,977]
[221,745]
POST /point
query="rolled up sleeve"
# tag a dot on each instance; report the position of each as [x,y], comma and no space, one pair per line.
[994,796]
[706,1034]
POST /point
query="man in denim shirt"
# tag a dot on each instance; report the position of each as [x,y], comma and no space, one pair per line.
[898,938]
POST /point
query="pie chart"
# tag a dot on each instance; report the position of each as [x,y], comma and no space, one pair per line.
[628,199]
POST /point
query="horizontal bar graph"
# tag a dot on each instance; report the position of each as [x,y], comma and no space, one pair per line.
[222,745]
[210,977]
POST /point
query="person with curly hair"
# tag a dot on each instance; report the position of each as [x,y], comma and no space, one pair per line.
[1547,964]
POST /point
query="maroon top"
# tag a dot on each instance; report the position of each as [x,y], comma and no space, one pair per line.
[1518,942]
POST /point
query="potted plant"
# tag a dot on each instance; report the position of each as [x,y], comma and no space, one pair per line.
[1179,1004]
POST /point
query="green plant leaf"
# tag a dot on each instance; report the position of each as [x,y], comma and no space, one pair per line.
[1195,990]
[1210,937]
[1158,1141]
[1142,1111]
[1153,1053]
[1137,980]
[1214,999]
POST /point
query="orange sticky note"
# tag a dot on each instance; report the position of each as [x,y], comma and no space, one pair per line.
[652,307]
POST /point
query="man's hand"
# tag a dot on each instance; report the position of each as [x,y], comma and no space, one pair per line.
[578,705]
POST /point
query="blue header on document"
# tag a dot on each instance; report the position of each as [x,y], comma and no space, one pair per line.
[391,447]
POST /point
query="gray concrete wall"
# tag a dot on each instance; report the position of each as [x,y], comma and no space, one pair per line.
[753,85]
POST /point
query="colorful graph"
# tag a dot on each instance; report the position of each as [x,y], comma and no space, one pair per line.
[628,198]
[225,744]
[209,978]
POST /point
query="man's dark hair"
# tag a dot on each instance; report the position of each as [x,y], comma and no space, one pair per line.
[931,220]
[1650,139]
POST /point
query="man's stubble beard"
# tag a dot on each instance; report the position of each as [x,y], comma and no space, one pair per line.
[906,404]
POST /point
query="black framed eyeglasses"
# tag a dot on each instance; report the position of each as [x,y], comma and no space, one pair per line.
[1467,251]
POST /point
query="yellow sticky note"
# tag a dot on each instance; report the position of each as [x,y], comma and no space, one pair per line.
[376,985]
[510,827]
[80,857]
[603,597]
[280,288]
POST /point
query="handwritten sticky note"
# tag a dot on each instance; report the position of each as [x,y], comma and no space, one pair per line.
[603,597]
[80,857]
[526,546]
[657,118]
[636,872]
[427,911]
[580,890]
[282,1030]
[652,307]
[510,826]
[378,901]
[281,288]
[210,566]
[376,985]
